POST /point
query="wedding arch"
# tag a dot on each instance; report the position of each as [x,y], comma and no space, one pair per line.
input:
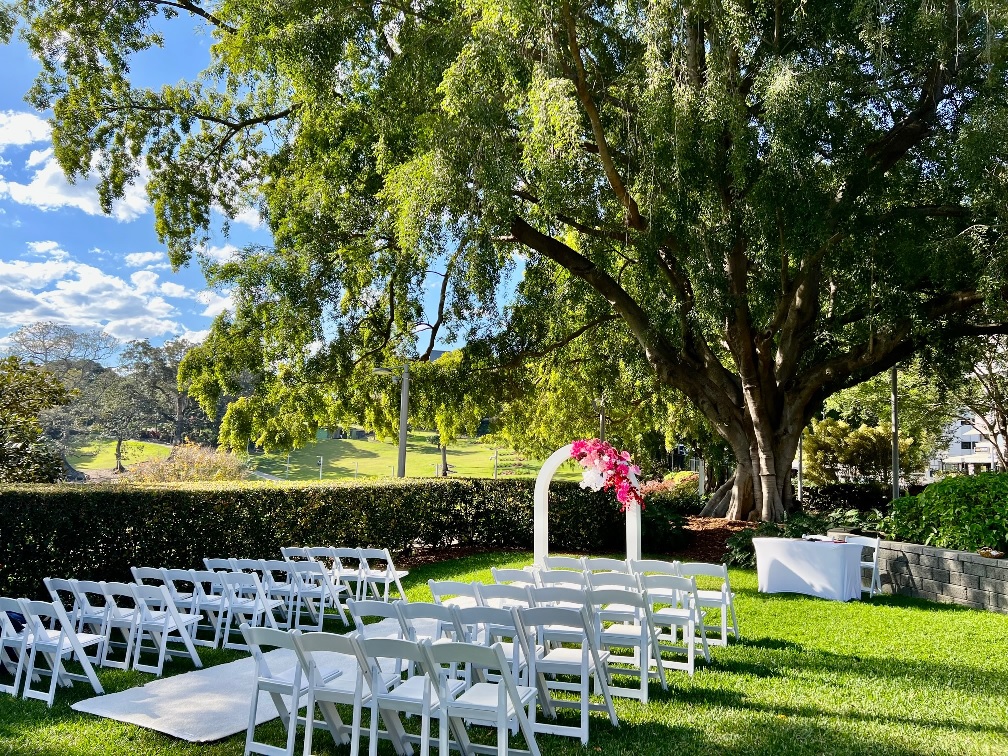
[540,512]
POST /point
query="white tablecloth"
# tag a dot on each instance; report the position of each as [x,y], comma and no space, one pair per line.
[825,569]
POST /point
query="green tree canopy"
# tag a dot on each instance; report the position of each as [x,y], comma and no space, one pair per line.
[774,201]
[26,391]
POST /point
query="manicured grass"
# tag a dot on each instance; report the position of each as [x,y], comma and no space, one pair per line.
[100,455]
[887,676]
[345,458]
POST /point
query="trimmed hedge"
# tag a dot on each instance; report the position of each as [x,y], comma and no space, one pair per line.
[964,512]
[99,532]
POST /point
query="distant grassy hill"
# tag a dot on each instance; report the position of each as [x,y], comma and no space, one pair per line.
[95,455]
[342,458]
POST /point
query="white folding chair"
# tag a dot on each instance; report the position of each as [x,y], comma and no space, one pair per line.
[564,563]
[85,616]
[433,622]
[566,578]
[13,642]
[495,703]
[147,575]
[159,619]
[635,632]
[673,603]
[208,601]
[294,553]
[453,593]
[122,616]
[605,564]
[315,591]
[389,624]
[347,563]
[181,589]
[244,598]
[503,595]
[487,625]
[872,564]
[324,689]
[56,643]
[379,579]
[218,565]
[721,599]
[391,696]
[277,682]
[584,661]
[279,583]
[507,575]
[653,567]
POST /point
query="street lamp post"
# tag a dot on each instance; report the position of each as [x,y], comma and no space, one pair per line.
[600,403]
[403,414]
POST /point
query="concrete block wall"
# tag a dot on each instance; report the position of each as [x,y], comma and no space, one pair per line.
[950,577]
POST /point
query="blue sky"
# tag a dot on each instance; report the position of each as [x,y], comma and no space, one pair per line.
[61,258]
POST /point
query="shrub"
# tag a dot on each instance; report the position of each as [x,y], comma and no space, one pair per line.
[98,532]
[964,512]
[864,497]
[678,493]
[741,552]
[188,463]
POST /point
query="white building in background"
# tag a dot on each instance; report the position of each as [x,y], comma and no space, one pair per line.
[968,452]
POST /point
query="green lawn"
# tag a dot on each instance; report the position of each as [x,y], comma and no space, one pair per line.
[345,458]
[100,455]
[888,676]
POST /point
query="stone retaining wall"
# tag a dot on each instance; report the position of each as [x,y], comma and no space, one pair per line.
[951,577]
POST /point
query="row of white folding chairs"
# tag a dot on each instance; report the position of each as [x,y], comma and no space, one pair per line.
[720,599]
[356,566]
[263,592]
[659,608]
[147,618]
[293,588]
[541,645]
[37,638]
[389,676]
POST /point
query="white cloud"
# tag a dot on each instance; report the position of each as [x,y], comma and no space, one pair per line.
[146,259]
[215,303]
[23,274]
[196,337]
[178,291]
[83,296]
[222,254]
[249,217]
[20,129]
[37,157]
[145,281]
[48,249]
[49,190]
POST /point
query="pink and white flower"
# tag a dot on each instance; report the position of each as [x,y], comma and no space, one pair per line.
[607,468]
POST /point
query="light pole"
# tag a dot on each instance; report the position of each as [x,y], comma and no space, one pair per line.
[403,413]
[600,403]
[895,437]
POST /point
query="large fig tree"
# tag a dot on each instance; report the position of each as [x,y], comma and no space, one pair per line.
[774,200]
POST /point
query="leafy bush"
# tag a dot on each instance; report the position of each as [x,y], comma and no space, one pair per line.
[741,552]
[677,493]
[189,463]
[966,512]
[98,532]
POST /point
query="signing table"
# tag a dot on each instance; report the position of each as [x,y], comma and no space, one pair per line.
[816,568]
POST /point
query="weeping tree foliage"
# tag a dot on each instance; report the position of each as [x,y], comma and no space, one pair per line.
[773,200]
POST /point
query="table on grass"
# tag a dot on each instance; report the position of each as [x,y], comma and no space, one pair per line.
[816,568]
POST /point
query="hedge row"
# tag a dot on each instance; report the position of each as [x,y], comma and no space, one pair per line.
[964,512]
[99,532]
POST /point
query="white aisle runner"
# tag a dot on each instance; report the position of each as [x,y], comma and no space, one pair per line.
[207,704]
[200,706]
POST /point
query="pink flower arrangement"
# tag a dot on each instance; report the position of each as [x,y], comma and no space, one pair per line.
[606,468]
